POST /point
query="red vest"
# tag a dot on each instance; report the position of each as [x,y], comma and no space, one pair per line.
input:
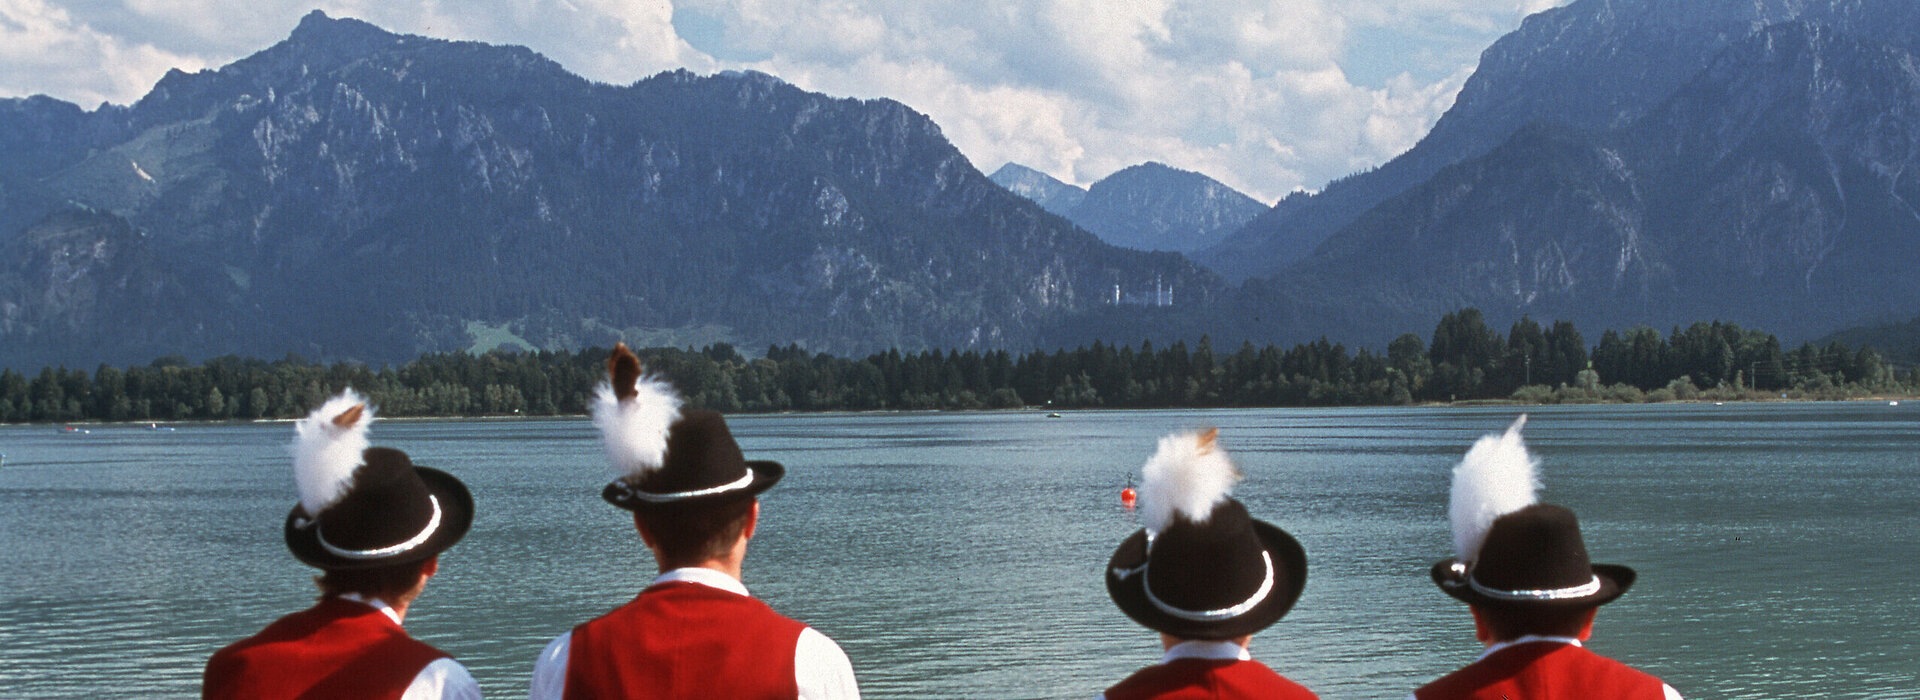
[336,649]
[1198,679]
[684,640]
[1544,671]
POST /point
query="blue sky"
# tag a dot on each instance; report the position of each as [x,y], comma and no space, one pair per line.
[1266,96]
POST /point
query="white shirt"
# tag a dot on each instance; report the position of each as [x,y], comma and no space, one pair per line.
[444,679]
[1528,639]
[1198,649]
[820,669]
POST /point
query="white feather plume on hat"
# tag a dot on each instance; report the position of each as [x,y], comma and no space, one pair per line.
[1187,475]
[326,449]
[634,412]
[1496,477]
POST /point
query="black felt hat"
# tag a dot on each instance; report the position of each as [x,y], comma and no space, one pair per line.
[1533,557]
[1229,577]
[1202,568]
[701,464]
[392,512]
[363,507]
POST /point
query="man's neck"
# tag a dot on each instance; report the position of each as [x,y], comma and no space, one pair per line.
[1168,641]
[1221,650]
[703,576]
[729,566]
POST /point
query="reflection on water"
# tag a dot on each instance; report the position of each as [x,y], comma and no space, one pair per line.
[959,555]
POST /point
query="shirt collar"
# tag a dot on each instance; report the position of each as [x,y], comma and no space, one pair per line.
[704,577]
[1529,639]
[375,603]
[1220,650]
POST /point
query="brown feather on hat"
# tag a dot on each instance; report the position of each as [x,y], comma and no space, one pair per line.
[662,454]
[1201,567]
[363,507]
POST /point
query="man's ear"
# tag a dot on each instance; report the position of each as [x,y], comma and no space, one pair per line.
[645,534]
[753,519]
[1481,631]
[427,569]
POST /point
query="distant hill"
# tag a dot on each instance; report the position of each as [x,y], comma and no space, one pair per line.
[1144,207]
[1899,342]
[1051,194]
[353,193]
[1154,207]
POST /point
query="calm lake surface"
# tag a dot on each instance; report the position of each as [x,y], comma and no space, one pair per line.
[959,554]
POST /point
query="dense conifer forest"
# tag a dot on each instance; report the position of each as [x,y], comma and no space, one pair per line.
[1464,360]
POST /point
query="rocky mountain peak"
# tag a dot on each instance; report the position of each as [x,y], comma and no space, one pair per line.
[1147,206]
[1153,206]
[345,35]
[1051,194]
[1627,56]
[1765,189]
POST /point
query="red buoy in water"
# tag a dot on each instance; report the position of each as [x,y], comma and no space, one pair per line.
[1127,497]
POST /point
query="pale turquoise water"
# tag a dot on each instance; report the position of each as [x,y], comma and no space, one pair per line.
[958,555]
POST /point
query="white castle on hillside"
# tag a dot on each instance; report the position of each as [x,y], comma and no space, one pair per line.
[1161,295]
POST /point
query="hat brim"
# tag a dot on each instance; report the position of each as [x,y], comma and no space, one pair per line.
[1614,582]
[456,517]
[765,473]
[1130,593]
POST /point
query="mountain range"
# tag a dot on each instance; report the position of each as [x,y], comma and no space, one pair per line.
[354,193]
[1150,206]
[351,193]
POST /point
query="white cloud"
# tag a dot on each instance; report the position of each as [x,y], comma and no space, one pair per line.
[44,50]
[1250,92]
[1264,36]
[1266,96]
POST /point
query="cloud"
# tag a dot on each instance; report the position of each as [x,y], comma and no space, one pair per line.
[58,48]
[1262,36]
[1253,93]
[1265,96]
[44,50]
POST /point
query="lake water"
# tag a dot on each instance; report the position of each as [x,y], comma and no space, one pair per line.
[959,554]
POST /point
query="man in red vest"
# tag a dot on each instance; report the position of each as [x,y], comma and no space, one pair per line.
[1522,569]
[375,525]
[695,632]
[1206,576]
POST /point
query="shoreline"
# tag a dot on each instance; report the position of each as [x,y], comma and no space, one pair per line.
[164,425]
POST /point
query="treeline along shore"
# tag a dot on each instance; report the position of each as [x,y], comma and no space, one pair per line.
[1465,360]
